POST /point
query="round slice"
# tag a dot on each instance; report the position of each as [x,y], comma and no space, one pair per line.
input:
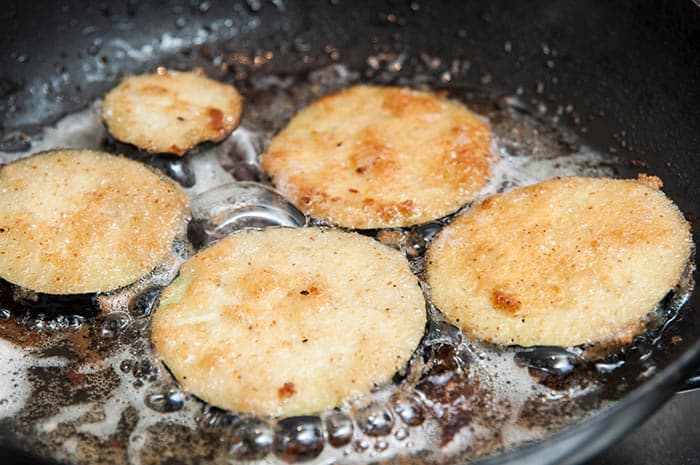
[289,321]
[171,112]
[565,262]
[77,221]
[377,157]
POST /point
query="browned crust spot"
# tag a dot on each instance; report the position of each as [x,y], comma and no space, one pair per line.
[216,120]
[286,391]
[505,302]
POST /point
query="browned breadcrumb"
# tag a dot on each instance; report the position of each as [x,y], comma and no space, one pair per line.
[649,180]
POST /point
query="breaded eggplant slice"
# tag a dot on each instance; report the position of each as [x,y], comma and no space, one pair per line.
[170,111]
[289,321]
[569,261]
[78,221]
[377,157]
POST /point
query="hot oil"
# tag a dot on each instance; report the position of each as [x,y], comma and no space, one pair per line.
[91,389]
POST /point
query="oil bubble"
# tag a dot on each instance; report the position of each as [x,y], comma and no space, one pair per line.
[75,322]
[57,323]
[241,155]
[408,408]
[214,419]
[113,324]
[204,7]
[381,445]
[331,74]
[440,331]
[144,368]
[375,420]
[251,439]
[254,5]
[125,366]
[171,400]
[298,439]
[418,239]
[553,361]
[339,428]
[361,445]
[238,205]
[178,169]
[143,303]
[95,46]
[401,434]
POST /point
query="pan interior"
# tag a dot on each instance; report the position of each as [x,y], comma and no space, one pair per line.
[90,389]
[81,382]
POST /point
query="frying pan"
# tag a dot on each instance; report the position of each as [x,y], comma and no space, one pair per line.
[627,75]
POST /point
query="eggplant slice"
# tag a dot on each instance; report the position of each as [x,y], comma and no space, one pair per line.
[289,321]
[378,157]
[170,111]
[79,221]
[565,262]
[633,95]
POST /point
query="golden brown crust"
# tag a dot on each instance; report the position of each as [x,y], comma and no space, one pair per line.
[77,221]
[375,157]
[170,111]
[564,262]
[289,321]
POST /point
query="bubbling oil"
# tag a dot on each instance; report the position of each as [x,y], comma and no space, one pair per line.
[88,389]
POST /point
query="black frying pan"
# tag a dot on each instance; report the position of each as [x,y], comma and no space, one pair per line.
[629,73]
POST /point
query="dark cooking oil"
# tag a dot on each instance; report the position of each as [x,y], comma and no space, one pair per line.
[88,388]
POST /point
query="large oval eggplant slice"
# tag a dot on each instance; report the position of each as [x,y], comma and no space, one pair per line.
[287,321]
[79,221]
[377,157]
[568,261]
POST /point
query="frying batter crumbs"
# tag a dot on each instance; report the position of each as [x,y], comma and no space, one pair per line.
[78,221]
[170,111]
[238,330]
[565,262]
[377,157]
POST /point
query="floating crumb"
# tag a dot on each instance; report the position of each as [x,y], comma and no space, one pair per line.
[649,180]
